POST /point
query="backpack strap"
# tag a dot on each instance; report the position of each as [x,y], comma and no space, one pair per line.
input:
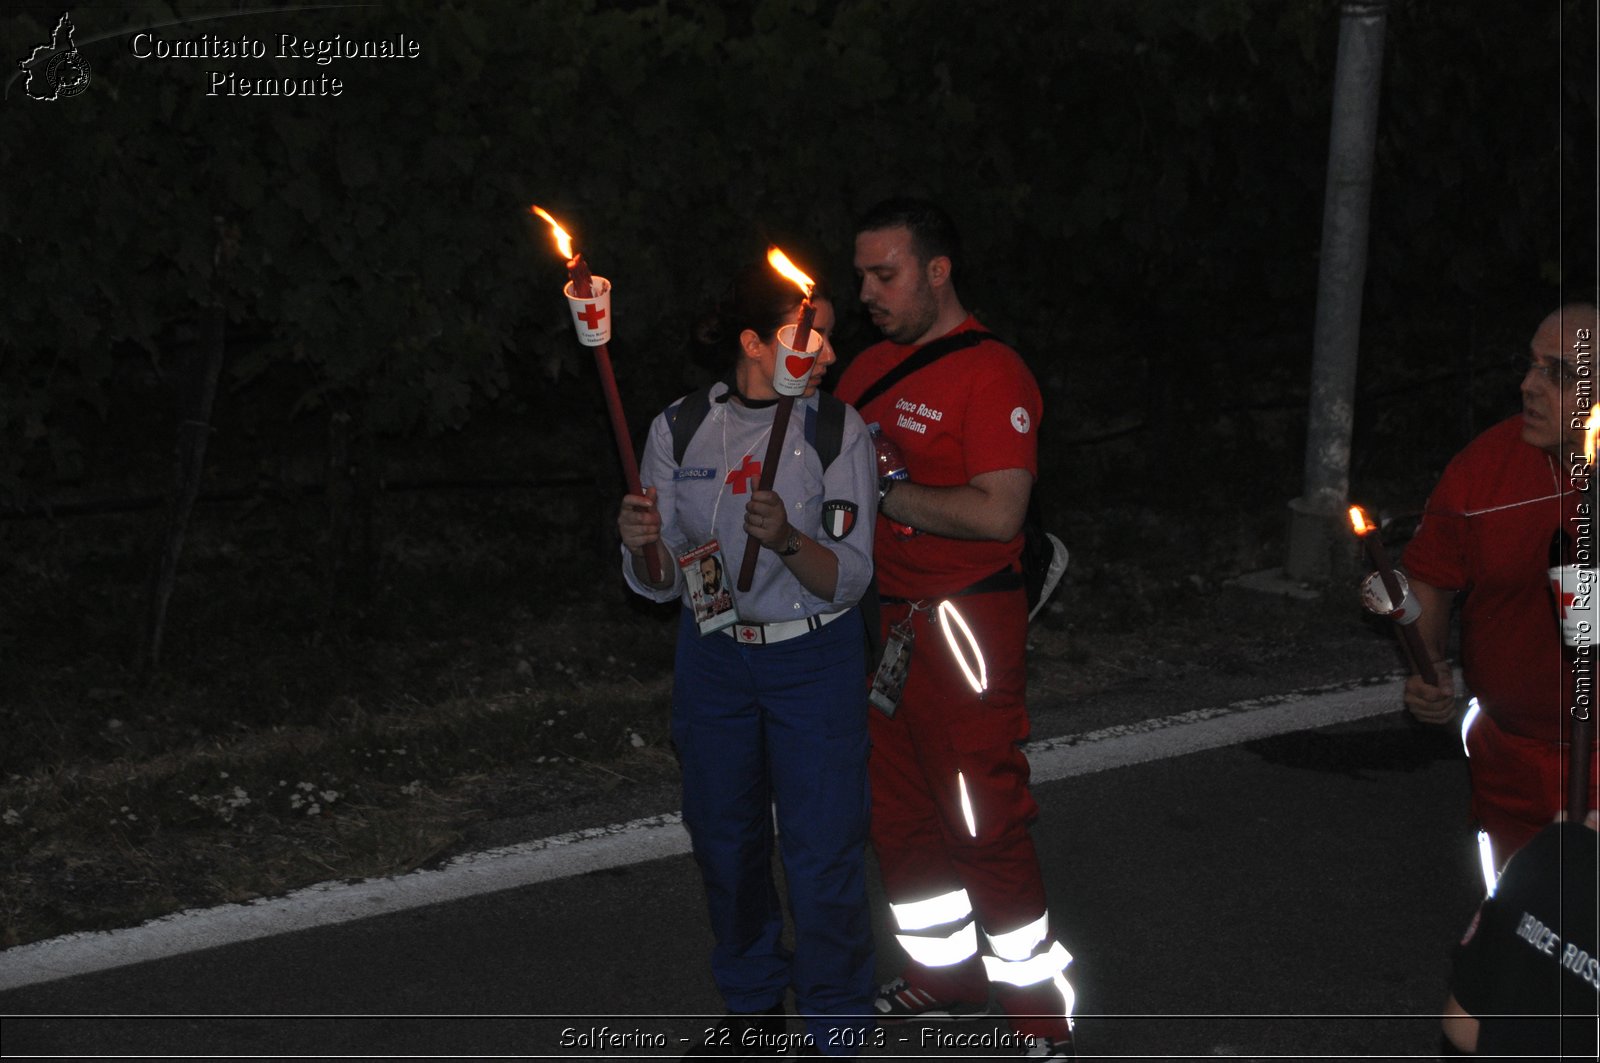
[825,427]
[924,356]
[684,418]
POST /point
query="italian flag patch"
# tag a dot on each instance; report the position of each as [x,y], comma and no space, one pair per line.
[838,517]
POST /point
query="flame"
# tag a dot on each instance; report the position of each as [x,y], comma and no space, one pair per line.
[781,263]
[1359,521]
[1591,429]
[563,241]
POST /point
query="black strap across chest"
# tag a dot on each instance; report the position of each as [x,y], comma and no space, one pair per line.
[923,357]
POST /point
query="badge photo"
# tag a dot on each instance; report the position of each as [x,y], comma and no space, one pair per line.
[889,682]
[710,596]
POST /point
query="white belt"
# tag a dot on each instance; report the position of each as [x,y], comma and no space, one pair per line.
[762,634]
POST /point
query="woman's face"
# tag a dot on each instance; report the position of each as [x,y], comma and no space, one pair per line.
[761,361]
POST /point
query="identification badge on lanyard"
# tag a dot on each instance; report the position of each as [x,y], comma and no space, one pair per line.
[890,681]
[709,594]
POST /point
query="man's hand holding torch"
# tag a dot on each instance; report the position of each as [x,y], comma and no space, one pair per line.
[1432,701]
[1430,691]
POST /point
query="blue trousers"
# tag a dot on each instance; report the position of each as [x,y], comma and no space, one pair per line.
[782,724]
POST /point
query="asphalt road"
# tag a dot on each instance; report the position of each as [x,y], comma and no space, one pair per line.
[1229,886]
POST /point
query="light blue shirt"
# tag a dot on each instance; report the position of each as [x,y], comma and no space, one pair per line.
[706,495]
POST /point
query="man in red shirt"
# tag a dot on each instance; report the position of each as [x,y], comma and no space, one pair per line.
[951,805]
[1485,535]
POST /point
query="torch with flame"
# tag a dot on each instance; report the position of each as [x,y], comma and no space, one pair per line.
[795,362]
[808,313]
[589,308]
[1591,429]
[1402,606]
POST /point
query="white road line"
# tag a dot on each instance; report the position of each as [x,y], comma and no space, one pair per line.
[576,853]
[1202,729]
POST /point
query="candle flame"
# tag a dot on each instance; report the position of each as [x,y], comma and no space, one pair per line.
[563,241]
[1359,521]
[780,262]
[1591,429]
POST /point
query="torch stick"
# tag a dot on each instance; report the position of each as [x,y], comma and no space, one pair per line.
[785,407]
[1420,656]
[1582,687]
[582,283]
[1578,773]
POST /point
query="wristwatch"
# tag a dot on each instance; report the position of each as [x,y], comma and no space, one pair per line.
[791,545]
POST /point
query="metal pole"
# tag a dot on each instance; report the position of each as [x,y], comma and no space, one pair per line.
[1316,519]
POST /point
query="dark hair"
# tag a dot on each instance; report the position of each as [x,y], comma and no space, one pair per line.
[758,298]
[932,232]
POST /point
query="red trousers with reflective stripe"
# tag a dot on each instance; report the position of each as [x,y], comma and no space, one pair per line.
[1519,783]
[919,829]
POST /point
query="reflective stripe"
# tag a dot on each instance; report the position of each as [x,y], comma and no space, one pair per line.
[978,680]
[1041,968]
[920,915]
[941,951]
[1486,862]
[1491,877]
[1020,943]
[966,804]
[1069,998]
[1467,720]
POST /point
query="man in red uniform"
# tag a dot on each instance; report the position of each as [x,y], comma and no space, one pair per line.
[1485,535]
[951,805]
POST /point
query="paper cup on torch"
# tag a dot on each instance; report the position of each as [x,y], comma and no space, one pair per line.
[1391,587]
[1577,594]
[1375,596]
[793,370]
[591,315]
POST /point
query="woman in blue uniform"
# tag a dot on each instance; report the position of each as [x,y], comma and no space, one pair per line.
[769,706]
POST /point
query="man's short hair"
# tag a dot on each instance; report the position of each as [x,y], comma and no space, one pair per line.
[932,232]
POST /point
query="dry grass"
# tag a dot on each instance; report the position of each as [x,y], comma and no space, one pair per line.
[93,845]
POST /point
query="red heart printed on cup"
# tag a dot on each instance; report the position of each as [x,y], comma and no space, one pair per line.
[798,365]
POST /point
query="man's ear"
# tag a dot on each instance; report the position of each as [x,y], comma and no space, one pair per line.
[938,270]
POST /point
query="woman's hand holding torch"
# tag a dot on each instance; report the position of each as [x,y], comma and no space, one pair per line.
[639,526]
[766,520]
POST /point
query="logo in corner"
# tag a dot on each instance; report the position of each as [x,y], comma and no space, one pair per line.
[838,517]
[1020,420]
[57,70]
